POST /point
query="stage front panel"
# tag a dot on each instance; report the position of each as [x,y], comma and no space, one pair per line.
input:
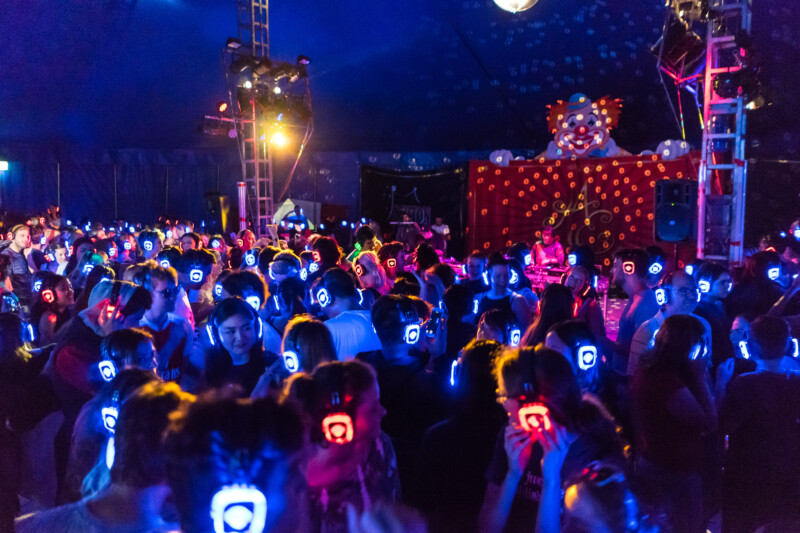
[606,203]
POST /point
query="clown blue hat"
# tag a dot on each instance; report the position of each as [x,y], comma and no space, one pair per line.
[578,101]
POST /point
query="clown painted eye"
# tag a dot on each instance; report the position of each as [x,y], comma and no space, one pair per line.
[572,123]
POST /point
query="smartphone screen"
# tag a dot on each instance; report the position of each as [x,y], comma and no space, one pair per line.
[432,326]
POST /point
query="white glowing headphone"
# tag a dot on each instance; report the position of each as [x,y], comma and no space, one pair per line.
[587,357]
[411,328]
[323,297]
[164,263]
[250,260]
[240,508]
[213,333]
[514,277]
[514,336]
[704,285]
[455,371]
[108,370]
[291,361]
[147,245]
[655,268]
[572,259]
[196,275]
[774,272]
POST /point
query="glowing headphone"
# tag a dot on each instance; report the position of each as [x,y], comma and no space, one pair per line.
[87,268]
[28,333]
[795,348]
[291,361]
[514,336]
[337,426]
[215,243]
[239,242]
[572,259]
[774,272]
[250,260]
[48,296]
[108,370]
[485,277]
[689,269]
[169,234]
[704,285]
[532,415]
[391,263]
[303,274]
[37,285]
[629,267]
[317,257]
[455,371]
[587,357]
[475,306]
[126,245]
[411,328]
[359,270]
[147,245]
[514,278]
[655,268]
[699,351]
[218,290]
[241,508]
[196,275]
[110,414]
[313,267]
[253,301]
[164,263]
[212,328]
[43,240]
[743,349]
[528,259]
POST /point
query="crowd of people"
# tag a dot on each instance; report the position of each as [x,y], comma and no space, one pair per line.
[166,379]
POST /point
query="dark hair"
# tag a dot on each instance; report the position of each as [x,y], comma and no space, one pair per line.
[389,250]
[203,259]
[160,273]
[497,259]
[445,273]
[328,251]
[555,305]
[475,386]
[758,264]
[49,282]
[710,271]
[243,284]
[458,301]
[171,254]
[311,340]
[498,319]
[139,459]
[293,291]
[313,392]
[364,233]
[576,333]
[216,442]
[98,273]
[426,256]
[674,341]
[265,257]
[771,335]
[152,235]
[13,353]
[122,347]
[477,255]
[406,284]
[584,256]
[640,259]
[388,316]
[339,283]
[518,251]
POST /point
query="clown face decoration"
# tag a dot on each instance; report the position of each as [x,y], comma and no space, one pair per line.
[581,128]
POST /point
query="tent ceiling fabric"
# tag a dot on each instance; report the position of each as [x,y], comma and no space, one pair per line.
[415,75]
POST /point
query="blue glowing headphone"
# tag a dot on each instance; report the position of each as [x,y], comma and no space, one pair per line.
[410,321]
[212,328]
[514,335]
[773,272]
[664,290]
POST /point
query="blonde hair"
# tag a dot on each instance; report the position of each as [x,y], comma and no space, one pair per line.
[369,260]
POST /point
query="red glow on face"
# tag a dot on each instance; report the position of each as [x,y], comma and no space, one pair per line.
[338,428]
[534,416]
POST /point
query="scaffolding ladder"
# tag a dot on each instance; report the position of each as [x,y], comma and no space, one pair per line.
[722,179]
[254,32]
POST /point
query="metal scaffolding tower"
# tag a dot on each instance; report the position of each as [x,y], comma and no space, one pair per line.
[256,163]
[722,179]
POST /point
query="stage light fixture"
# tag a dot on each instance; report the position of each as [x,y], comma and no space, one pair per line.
[680,51]
[248,84]
[233,43]
[222,106]
[3,166]
[515,6]
[277,90]
[278,139]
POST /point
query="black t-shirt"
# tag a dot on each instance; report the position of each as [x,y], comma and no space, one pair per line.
[477,286]
[721,347]
[597,442]
[221,371]
[761,414]
[488,304]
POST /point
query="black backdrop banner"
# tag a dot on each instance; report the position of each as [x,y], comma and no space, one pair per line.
[387,194]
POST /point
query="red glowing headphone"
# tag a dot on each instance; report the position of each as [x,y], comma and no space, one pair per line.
[532,415]
[113,300]
[337,426]
[48,296]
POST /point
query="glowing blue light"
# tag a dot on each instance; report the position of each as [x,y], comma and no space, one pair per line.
[795,348]
[344,223]
[514,337]
[239,508]
[313,267]
[254,301]
[453,368]
[744,350]
[411,334]
[796,233]
[110,454]
[107,369]
[164,263]
[291,361]
[485,277]
[689,269]
[572,259]
[250,259]
[87,268]
[218,290]
[475,306]
[110,415]
[587,357]
[37,285]
[661,296]
[196,275]
[528,259]
[774,273]
[323,297]
[147,245]
[655,268]
[704,285]
[514,277]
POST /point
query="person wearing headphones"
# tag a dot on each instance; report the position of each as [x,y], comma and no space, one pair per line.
[714,282]
[235,354]
[350,325]
[350,461]
[678,295]
[580,280]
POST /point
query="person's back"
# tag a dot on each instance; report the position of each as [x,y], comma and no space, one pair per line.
[352,333]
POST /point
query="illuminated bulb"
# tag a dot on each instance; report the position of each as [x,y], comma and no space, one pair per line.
[278,139]
[248,84]
[276,90]
[515,6]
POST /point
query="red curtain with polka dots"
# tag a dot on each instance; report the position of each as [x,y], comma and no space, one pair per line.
[606,203]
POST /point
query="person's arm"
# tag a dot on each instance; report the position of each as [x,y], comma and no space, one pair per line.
[683,405]
[498,500]
[7,283]
[522,312]
[778,307]
[594,317]
[639,344]
[47,327]
[556,443]
[560,254]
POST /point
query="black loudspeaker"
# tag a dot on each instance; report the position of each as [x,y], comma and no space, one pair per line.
[217,213]
[676,203]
